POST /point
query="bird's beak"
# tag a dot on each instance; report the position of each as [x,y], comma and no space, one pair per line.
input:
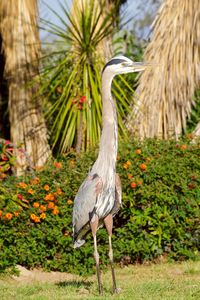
[139,66]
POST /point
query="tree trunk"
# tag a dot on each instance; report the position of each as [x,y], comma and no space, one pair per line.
[18,28]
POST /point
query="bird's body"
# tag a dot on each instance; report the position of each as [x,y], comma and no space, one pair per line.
[99,196]
[96,195]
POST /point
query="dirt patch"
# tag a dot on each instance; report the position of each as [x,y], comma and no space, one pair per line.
[28,276]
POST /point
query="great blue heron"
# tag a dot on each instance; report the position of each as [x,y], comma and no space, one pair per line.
[99,196]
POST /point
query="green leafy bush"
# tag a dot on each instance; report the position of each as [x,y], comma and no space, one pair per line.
[159,217]
[194,118]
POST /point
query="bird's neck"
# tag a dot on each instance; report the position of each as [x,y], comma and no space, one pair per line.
[109,136]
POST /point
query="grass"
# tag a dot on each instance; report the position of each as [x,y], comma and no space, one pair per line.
[174,281]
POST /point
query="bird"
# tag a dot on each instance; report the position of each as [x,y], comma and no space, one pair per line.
[99,197]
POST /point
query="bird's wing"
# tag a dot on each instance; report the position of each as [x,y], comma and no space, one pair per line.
[84,203]
[118,194]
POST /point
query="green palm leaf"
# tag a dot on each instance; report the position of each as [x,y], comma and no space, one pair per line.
[71,78]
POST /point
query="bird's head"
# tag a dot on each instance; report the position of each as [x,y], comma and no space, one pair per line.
[122,65]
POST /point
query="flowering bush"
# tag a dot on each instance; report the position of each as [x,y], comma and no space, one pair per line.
[161,199]
[159,217]
[7,160]
[8,157]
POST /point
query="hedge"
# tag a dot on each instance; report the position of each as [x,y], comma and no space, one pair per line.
[159,217]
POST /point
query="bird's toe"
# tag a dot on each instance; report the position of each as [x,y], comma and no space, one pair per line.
[117,290]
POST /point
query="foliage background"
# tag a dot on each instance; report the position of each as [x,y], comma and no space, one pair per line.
[160,213]
[159,217]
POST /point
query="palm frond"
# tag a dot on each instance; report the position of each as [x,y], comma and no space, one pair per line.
[74,113]
[165,93]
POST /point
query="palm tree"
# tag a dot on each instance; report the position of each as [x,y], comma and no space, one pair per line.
[72,81]
[21,48]
[104,47]
[164,97]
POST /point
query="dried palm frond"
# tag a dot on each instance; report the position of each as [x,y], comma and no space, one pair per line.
[164,95]
[21,47]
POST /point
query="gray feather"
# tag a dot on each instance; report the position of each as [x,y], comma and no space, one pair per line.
[84,204]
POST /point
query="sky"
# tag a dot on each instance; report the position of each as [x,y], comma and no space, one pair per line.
[55,5]
[134,9]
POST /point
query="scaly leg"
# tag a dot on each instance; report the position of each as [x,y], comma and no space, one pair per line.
[94,226]
[108,221]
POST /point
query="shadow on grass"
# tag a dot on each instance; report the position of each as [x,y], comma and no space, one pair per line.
[75,284]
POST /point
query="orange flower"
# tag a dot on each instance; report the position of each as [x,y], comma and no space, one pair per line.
[16,213]
[138,151]
[22,185]
[46,187]
[35,218]
[143,167]
[183,147]
[1,213]
[50,205]
[118,157]
[43,216]
[55,210]
[36,204]
[133,185]
[8,216]
[57,165]
[128,163]
[31,191]
[34,181]
[130,176]
[69,201]
[49,197]
[59,191]
[125,166]
[43,208]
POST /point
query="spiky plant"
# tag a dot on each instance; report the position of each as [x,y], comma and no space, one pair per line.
[164,97]
[73,81]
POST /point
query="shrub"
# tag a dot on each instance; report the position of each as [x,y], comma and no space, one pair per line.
[160,213]
[7,160]
[161,209]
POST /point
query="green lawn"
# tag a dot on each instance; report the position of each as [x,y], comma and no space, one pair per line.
[173,281]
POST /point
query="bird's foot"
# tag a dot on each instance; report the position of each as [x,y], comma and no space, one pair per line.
[100,292]
[117,290]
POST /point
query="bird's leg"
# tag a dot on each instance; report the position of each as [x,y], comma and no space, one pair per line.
[94,226]
[108,221]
